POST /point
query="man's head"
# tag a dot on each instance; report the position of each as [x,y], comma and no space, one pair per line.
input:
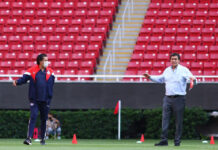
[42,60]
[174,59]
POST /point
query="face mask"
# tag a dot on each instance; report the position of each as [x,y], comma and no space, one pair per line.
[45,64]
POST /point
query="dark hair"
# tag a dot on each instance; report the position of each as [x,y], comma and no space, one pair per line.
[40,58]
[175,54]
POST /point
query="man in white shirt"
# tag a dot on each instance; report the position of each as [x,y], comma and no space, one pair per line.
[175,78]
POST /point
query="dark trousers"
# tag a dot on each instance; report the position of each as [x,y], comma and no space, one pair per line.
[43,108]
[177,106]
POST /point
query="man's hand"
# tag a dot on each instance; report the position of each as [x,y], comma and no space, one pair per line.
[146,75]
[14,83]
[192,82]
[192,78]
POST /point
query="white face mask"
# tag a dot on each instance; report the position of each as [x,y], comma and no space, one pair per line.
[45,64]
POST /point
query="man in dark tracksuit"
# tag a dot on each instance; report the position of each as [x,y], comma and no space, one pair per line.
[41,83]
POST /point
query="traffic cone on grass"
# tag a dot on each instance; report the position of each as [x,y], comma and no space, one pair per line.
[142,138]
[74,141]
[212,140]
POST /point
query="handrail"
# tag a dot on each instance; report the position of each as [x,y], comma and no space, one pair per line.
[127,6]
[119,78]
[120,33]
[109,58]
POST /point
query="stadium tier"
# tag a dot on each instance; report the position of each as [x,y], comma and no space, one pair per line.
[71,32]
[189,28]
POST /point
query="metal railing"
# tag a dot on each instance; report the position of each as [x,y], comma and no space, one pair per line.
[108,60]
[119,34]
[103,78]
[130,8]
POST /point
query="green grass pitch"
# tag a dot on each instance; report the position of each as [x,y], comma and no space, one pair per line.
[16,144]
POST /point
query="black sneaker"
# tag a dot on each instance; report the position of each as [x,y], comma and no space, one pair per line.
[177,144]
[27,141]
[161,143]
[42,142]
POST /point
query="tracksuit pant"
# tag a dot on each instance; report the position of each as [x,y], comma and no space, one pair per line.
[36,107]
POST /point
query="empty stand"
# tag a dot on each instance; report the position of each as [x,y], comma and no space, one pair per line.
[187,27]
[71,32]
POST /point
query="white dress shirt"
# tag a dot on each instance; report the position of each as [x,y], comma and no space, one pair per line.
[175,80]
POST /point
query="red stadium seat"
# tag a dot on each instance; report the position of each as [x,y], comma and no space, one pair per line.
[146,65]
[20,65]
[52,57]
[54,14]
[69,5]
[80,48]
[139,49]
[177,49]
[51,22]
[41,48]
[165,49]
[183,31]
[66,48]
[73,65]
[133,65]
[3,39]
[95,5]
[64,57]
[59,65]
[61,30]
[196,32]
[23,56]
[47,31]
[68,39]
[58,27]
[209,65]
[150,57]
[159,65]
[34,31]
[182,40]
[189,57]
[173,23]
[194,40]
[151,49]
[16,48]
[202,57]
[189,49]
[41,39]
[27,39]
[137,57]
[196,66]
[170,31]
[54,39]
[198,24]
[163,57]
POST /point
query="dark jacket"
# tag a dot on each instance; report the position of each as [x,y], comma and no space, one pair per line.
[31,75]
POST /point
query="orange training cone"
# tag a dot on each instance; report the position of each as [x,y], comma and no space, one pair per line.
[35,133]
[74,141]
[212,140]
[142,138]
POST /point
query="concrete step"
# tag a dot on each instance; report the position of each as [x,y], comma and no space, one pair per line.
[114,70]
[124,39]
[106,52]
[132,27]
[127,33]
[117,62]
[123,42]
[137,25]
[133,19]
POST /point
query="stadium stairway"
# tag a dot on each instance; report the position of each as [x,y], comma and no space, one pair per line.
[132,28]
